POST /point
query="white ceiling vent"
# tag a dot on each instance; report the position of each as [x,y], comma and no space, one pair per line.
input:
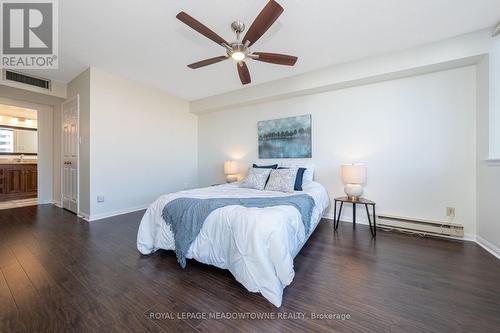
[34,81]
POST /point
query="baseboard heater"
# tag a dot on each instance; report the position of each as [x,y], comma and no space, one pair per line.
[419,226]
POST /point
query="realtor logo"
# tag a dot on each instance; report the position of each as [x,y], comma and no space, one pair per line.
[29,34]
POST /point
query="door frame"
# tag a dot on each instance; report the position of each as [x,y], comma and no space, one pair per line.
[61,152]
[41,157]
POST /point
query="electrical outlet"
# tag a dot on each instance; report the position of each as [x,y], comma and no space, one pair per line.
[450,211]
[100,198]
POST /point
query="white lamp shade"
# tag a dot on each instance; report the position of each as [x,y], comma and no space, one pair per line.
[354,173]
[230,168]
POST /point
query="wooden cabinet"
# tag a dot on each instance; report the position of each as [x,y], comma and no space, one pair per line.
[31,180]
[18,181]
[14,180]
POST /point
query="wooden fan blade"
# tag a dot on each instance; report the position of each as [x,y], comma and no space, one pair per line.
[200,27]
[207,62]
[276,58]
[263,22]
[243,72]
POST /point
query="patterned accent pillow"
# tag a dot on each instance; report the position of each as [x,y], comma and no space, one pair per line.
[282,180]
[256,178]
[299,179]
[308,173]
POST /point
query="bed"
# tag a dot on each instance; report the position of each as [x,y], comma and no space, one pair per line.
[257,245]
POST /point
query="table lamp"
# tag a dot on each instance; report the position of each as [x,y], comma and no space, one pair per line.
[354,177]
[231,171]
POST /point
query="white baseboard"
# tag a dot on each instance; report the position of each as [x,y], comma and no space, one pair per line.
[84,216]
[101,216]
[45,202]
[57,203]
[488,246]
[359,220]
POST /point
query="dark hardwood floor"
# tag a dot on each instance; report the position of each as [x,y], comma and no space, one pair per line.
[59,273]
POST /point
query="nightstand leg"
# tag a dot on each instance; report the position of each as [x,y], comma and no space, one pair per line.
[338,216]
[374,222]
[335,216]
[370,221]
[354,215]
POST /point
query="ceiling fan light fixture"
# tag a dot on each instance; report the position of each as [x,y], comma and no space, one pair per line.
[238,56]
[239,50]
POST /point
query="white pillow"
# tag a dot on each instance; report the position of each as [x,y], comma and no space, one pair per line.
[256,178]
[282,180]
[308,174]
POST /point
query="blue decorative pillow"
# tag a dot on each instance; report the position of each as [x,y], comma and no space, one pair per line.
[272,166]
[298,179]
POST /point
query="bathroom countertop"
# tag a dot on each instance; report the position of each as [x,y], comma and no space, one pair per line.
[17,162]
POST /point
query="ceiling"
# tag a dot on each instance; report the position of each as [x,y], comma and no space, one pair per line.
[143,41]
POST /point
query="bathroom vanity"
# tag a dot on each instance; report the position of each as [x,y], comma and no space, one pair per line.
[18,180]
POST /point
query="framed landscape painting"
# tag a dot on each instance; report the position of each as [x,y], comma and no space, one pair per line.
[285,137]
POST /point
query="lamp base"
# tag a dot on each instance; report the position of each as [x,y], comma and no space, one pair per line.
[231,178]
[353,191]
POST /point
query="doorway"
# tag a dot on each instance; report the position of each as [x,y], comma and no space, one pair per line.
[18,156]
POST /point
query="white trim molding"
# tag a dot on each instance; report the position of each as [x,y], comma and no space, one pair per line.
[95,217]
[45,202]
[488,246]
[83,215]
[359,220]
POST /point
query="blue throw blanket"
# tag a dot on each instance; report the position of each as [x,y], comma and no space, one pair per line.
[186,216]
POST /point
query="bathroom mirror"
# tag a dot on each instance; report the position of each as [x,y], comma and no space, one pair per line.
[16,141]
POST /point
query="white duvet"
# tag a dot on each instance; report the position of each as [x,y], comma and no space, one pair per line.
[257,245]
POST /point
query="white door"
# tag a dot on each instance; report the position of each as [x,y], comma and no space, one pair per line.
[69,146]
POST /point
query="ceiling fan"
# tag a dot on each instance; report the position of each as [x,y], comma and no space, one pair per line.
[239,50]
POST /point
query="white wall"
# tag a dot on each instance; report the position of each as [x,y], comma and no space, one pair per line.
[45,153]
[143,144]
[494,113]
[488,173]
[417,136]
